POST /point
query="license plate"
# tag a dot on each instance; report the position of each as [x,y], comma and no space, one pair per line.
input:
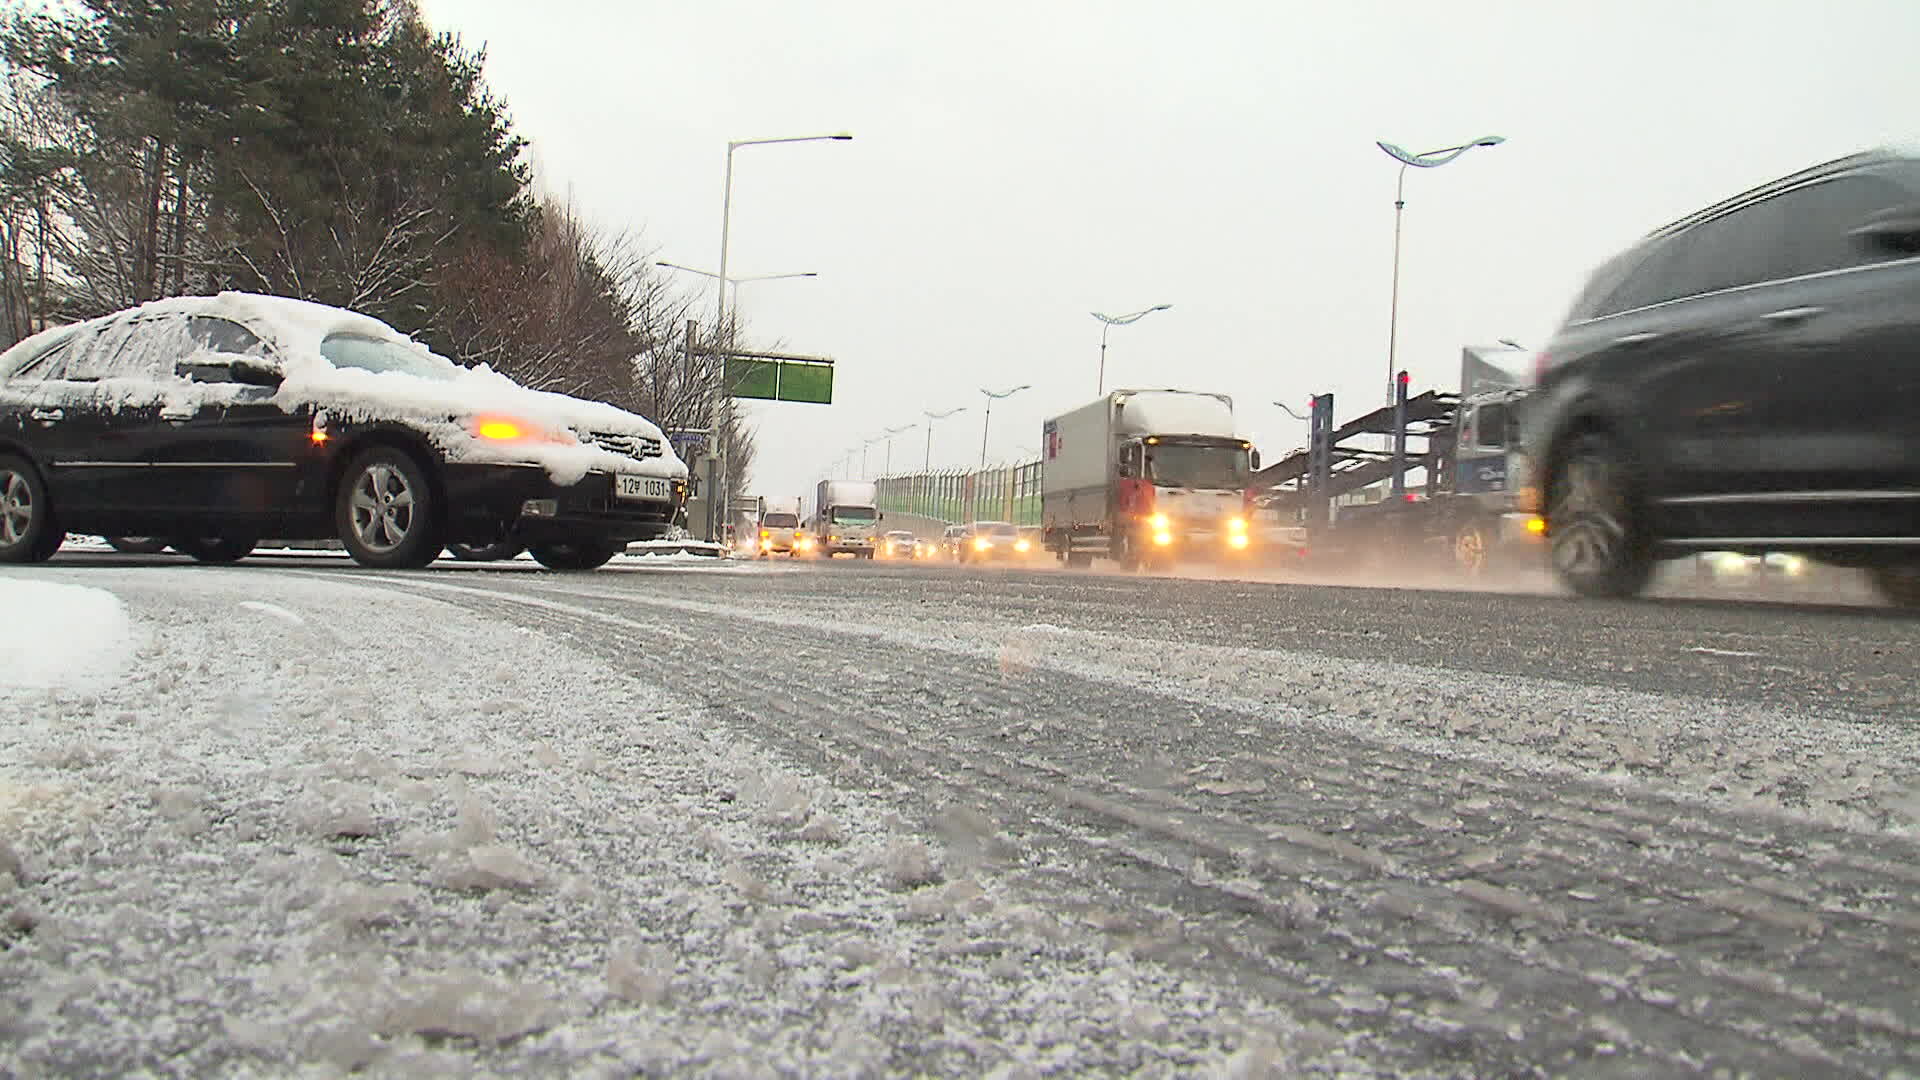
[640,487]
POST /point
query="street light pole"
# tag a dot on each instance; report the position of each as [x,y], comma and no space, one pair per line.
[1108,322]
[988,420]
[931,417]
[735,282]
[1432,159]
[887,470]
[721,395]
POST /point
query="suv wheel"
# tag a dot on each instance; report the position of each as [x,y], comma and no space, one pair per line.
[217,549]
[385,511]
[1899,583]
[1599,543]
[576,555]
[28,532]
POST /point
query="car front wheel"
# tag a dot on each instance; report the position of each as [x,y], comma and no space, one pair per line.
[28,532]
[576,555]
[1599,544]
[385,511]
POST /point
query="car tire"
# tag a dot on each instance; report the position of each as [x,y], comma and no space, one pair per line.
[217,550]
[496,552]
[1125,552]
[575,555]
[1898,583]
[1596,530]
[1473,550]
[386,511]
[28,531]
[137,545]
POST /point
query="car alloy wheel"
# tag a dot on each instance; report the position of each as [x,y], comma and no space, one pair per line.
[1598,544]
[28,532]
[385,511]
[1471,550]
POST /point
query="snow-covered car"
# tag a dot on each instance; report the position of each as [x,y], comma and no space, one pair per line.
[213,421]
[898,544]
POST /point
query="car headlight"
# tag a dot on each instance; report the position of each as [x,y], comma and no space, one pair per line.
[1022,545]
[981,544]
[497,427]
[1159,523]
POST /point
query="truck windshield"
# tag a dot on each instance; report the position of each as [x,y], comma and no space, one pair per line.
[780,521]
[1174,465]
[854,515]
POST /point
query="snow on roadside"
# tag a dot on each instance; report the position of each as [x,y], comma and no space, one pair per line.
[317,827]
[59,636]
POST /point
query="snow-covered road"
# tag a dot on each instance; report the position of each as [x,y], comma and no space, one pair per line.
[846,819]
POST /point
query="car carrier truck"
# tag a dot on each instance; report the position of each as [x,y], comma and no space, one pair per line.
[1462,516]
[1146,477]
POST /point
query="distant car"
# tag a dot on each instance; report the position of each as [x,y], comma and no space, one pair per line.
[1743,381]
[1031,544]
[898,544]
[210,422]
[988,540]
[951,542]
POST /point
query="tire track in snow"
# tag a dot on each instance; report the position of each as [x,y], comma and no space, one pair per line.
[1510,901]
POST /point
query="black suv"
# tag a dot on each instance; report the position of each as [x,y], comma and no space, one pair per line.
[1746,379]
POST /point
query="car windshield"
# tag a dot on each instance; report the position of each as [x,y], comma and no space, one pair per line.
[381,355]
[995,528]
[855,515]
[1194,466]
[780,521]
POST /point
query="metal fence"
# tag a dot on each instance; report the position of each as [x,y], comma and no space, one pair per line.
[1002,493]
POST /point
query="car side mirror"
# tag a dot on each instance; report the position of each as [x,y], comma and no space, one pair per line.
[1254,460]
[1895,229]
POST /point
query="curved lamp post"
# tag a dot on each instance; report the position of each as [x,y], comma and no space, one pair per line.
[991,398]
[1108,322]
[1432,159]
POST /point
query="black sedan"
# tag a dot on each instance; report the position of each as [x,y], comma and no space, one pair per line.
[213,421]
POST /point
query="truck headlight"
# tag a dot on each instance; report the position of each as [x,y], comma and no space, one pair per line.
[1022,545]
[981,544]
[1237,540]
[1237,525]
[1159,523]
[1163,538]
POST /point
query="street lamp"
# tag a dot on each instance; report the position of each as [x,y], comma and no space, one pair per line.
[1432,159]
[720,392]
[991,398]
[888,435]
[931,417]
[1285,408]
[1108,322]
[736,282]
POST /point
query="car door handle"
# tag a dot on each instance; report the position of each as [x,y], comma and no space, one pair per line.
[49,415]
[178,416]
[1789,316]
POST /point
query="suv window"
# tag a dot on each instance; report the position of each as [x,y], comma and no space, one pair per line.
[1738,248]
[1820,217]
[224,336]
[51,363]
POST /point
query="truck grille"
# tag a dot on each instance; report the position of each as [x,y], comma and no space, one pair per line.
[638,447]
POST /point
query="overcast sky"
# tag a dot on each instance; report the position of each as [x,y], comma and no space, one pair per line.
[1018,165]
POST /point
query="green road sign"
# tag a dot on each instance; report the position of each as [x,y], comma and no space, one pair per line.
[809,381]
